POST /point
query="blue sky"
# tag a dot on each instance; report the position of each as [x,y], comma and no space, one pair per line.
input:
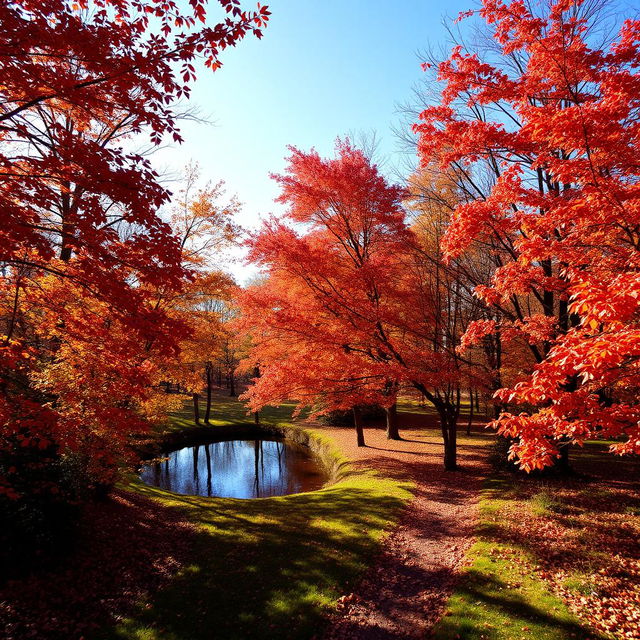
[322,69]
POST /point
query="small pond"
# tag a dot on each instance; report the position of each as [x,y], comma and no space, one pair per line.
[237,469]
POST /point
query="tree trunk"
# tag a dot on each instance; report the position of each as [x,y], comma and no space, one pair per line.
[232,385]
[448,424]
[392,422]
[209,374]
[196,408]
[256,374]
[477,401]
[358,425]
[471,407]
[562,463]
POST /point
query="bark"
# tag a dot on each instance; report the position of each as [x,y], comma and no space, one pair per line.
[392,422]
[562,465]
[357,421]
[256,374]
[196,408]
[449,424]
[209,374]
[471,407]
[232,385]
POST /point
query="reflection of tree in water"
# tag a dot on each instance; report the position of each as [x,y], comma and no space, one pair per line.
[207,453]
[239,469]
[257,449]
[196,474]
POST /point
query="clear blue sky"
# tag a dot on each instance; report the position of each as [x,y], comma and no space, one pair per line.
[322,69]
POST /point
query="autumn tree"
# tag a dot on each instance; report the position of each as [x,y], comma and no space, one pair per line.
[345,315]
[82,245]
[203,220]
[431,197]
[553,115]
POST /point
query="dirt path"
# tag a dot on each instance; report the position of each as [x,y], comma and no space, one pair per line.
[403,594]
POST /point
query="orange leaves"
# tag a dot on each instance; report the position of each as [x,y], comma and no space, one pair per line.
[85,253]
[343,315]
[476,331]
[556,142]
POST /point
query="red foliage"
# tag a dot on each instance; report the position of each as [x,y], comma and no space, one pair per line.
[316,322]
[345,315]
[82,245]
[559,134]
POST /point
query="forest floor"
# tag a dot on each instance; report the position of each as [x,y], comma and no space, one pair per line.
[149,564]
[405,591]
[393,548]
[555,557]
[481,554]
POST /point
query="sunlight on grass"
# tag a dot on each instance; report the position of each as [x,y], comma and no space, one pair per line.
[499,597]
[271,563]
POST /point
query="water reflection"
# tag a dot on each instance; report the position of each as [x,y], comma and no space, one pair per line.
[236,469]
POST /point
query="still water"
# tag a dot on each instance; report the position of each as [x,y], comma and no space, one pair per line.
[237,469]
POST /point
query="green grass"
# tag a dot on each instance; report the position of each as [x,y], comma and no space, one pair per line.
[499,597]
[226,410]
[544,502]
[266,568]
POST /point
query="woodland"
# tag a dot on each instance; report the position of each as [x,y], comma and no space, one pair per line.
[455,351]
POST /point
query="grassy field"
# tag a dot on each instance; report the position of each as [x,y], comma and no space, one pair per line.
[265,564]
[499,596]
[554,555]
[227,410]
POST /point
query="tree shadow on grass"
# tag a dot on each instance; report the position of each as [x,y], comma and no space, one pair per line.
[266,568]
[557,525]
[500,611]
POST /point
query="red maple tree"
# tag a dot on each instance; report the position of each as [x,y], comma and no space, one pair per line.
[549,121]
[345,315]
[82,245]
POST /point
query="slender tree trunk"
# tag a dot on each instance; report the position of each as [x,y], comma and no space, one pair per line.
[562,463]
[448,425]
[232,384]
[209,374]
[477,401]
[256,374]
[451,448]
[357,421]
[392,422]
[220,377]
[196,408]
[471,407]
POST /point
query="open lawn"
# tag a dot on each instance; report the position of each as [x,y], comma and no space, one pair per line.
[269,567]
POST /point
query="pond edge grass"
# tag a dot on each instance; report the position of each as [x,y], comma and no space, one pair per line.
[353,537]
